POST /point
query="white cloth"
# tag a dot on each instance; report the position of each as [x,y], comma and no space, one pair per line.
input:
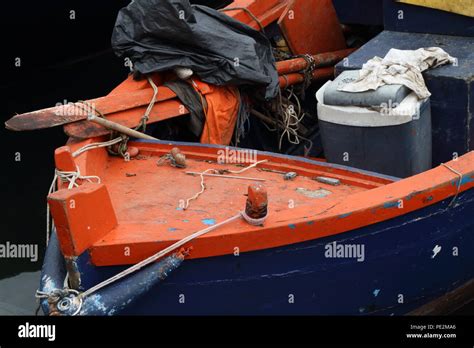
[399,67]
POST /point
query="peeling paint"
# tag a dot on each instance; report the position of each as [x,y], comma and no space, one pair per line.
[342,216]
[48,284]
[466,179]
[411,195]
[171,229]
[95,301]
[428,199]
[110,301]
[376,292]
[319,193]
[292,226]
[209,222]
[436,251]
[388,205]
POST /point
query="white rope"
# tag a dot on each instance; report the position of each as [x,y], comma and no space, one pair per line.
[459,182]
[72,177]
[96,146]
[291,120]
[156,256]
[170,248]
[252,221]
[57,294]
[153,99]
[247,168]
[203,186]
[167,250]
[226,176]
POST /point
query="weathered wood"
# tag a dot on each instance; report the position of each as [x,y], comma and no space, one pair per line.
[129,118]
[119,128]
[84,222]
[73,112]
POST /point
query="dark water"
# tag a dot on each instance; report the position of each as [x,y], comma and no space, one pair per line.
[61,59]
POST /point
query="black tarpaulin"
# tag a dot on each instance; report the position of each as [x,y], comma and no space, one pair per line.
[159,35]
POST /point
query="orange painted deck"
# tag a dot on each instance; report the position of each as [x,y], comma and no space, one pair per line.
[148,203]
[146,198]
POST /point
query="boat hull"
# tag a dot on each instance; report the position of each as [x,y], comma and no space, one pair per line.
[407,262]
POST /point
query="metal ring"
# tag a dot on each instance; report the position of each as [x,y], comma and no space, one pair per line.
[64,304]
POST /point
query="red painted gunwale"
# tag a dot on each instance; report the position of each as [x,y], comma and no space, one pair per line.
[361,200]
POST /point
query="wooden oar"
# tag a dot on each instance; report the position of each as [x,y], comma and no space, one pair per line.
[64,114]
[128,118]
[119,128]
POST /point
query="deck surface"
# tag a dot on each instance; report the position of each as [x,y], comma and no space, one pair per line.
[145,193]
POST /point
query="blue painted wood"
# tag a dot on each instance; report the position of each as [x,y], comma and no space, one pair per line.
[420,19]
[398,261]
[450,86]
[53,271]
[367,12]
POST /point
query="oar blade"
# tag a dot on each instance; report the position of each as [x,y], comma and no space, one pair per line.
[45,118]
[73,112]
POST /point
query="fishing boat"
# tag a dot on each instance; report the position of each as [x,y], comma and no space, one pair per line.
[142,226]
[335,240]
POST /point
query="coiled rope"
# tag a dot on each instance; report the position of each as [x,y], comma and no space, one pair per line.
[291,118]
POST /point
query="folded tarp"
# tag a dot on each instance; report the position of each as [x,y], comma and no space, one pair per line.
[159,35]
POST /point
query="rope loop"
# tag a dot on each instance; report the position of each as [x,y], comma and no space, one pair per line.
[146,116]
[458,185]
[252,221]
[249,13]
[60,300]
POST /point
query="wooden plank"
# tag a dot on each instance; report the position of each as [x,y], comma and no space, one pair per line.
[82,216]
[129,118]
[64,114]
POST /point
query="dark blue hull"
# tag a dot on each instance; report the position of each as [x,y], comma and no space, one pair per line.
[398,273]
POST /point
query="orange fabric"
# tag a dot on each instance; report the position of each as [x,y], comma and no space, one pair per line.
[221,109]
